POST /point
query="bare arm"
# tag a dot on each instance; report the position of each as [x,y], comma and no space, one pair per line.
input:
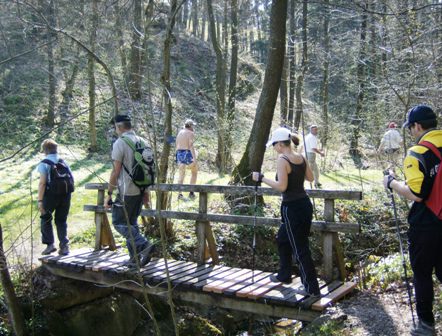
[308,172]
[116,170]
[402,189]
[281,184]
[41,192]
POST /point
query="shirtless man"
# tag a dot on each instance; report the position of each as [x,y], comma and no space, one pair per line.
[185,154]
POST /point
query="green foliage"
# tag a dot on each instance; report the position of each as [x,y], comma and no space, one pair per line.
[329,328]
[384,271]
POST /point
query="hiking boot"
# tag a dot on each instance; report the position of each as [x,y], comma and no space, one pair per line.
[423,329]
[146,255]
[180,196]
[64,250]
[274,278]
[192,195]
[49,249]
[318,185]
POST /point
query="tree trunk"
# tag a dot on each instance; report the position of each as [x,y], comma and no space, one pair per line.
[325,74]
[195,17]
[50,117]
[14,309]
[91,76]
[67,93]
[254,152]
[221,158]
[233,75]
[292,62]
[120,40]
[300,80]
[283,93]
[135,54]
[356,118]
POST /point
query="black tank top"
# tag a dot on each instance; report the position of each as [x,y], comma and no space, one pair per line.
[295,184]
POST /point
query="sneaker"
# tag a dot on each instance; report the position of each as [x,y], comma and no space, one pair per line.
[64,250]
[180,196]
[318,185]
[146,255]
[192,195]
[274,278]
[49,249]
[423,329]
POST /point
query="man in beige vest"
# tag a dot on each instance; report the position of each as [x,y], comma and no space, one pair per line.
[185,154]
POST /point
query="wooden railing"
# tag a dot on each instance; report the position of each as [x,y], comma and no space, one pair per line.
[206,242]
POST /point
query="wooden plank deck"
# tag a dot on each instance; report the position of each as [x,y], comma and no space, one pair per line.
[222,286]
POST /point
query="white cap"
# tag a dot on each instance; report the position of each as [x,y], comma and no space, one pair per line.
[189,122]
[280,134]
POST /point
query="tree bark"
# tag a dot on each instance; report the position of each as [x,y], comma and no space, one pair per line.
[14,309]
[135,54]
[254,152]
[304,60]
[325,74]
[221,157]
[91,76]
[233,74]
[120,40]
[195,17]
[283,93]
[292,61]
[50,117]
[355,122]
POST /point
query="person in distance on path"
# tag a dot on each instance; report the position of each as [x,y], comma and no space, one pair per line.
[186,155]
[312,148]
[425,232]
[296,211]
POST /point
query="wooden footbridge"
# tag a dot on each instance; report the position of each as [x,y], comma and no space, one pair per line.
[212,284]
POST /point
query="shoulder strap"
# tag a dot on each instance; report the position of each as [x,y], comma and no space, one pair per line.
[129,142]
[47,161]
[431,147]
[285,158]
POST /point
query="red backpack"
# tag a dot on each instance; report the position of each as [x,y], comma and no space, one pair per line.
[434,201]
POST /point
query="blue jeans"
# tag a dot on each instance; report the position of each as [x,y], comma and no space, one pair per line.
[59,205]
[128,226]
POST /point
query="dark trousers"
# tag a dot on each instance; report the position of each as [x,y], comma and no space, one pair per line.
[293,241]
[56,207]
[128,226]
[425,256]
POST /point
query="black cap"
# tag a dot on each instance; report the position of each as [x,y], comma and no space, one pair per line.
[419,113]
[120,118]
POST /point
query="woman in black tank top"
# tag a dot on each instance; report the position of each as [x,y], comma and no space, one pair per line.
[296,211]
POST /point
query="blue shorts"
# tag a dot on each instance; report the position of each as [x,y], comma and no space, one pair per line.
[184,156]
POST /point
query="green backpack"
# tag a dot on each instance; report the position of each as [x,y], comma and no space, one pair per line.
[142,171]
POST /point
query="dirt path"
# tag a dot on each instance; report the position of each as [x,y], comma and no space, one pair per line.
[384,314]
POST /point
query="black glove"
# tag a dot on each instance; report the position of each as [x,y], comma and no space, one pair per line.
[390,179]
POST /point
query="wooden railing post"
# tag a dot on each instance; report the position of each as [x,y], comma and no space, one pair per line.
[99,220]
[201,228]
[331,243]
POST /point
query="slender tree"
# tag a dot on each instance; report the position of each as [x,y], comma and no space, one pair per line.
[50,117]
[135,52]
[221,155]
[254,153]
[91,76]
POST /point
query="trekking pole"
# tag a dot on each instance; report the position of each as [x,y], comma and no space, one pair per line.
[404,265]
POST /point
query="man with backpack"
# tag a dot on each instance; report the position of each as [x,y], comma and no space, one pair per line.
[130,177]
[54,197]
[422,168]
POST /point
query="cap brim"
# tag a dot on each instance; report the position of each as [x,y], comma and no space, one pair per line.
[405,124]
[269,143]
